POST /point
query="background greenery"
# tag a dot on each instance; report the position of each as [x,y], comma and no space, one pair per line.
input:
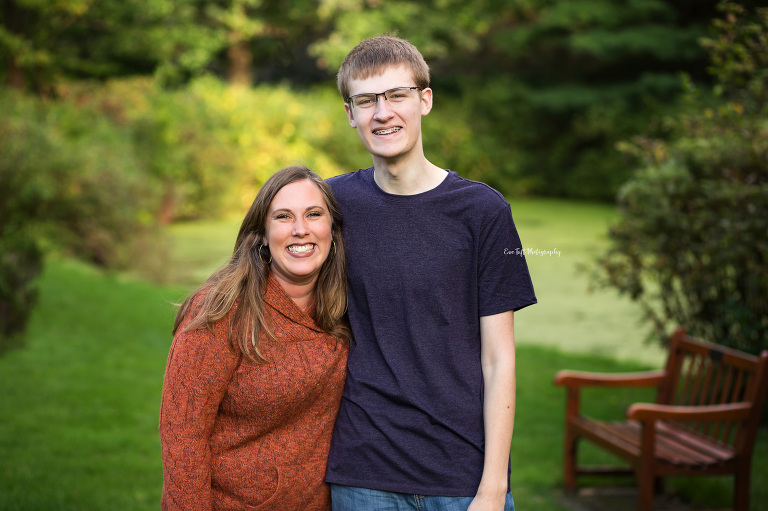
[545,87]
[126,120]
[691,245]
[122,117]
[80,404]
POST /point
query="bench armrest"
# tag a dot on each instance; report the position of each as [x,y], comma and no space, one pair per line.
[650,412]
[568,378]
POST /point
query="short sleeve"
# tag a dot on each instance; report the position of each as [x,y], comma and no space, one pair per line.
[504,281]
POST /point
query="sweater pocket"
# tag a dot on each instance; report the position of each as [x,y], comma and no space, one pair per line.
[277,488]
[299,486]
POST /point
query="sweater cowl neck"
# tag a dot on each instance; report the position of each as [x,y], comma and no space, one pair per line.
[276,297]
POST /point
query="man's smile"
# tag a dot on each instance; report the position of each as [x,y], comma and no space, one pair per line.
[387,131]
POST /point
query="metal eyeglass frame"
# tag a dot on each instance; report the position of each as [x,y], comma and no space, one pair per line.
[377,94]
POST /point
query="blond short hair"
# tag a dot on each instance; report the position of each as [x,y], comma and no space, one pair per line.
[373,55]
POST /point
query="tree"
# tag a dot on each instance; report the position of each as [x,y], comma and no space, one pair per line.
[691,246]
[267,41]
[570,79]
[42,41]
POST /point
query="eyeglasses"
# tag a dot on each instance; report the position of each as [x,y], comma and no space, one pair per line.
[368,100]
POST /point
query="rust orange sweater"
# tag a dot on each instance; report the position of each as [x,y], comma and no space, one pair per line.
[237,435]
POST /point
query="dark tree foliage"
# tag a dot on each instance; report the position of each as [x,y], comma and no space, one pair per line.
[42,43]
[563,82]
[548,86]
[692,242]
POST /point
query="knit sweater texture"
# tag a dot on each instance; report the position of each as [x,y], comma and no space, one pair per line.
[237,435]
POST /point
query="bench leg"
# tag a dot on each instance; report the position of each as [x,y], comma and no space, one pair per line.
[569,459]
[741,490]
[645,491]
[658,485]
[646,477]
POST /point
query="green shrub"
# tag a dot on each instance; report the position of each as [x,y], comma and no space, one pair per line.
[692,242]
[23,197]
[68,183]
[20,265]
[208,147]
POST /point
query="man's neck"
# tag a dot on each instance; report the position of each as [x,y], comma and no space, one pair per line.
[407,178]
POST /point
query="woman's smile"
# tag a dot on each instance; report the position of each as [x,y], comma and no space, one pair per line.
[301,249]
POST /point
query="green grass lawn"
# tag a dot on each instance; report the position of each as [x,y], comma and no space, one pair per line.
[569,316]
[79,405]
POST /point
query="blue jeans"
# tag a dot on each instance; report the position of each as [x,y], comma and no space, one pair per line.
[349,498]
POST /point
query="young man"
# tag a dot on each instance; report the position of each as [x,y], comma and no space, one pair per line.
[433,279]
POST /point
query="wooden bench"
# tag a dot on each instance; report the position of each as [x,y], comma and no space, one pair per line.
[704,420]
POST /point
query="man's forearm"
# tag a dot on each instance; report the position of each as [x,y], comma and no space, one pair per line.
[498,361]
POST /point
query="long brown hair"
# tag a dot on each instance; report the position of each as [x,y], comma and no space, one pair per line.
[243,278]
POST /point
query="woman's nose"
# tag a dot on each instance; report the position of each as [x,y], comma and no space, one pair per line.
[300,227]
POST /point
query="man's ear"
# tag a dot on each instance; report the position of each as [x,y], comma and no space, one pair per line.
[426,101]
[350,116]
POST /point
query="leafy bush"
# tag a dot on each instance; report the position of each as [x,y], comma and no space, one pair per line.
[68,182]
[209,146]
[23,194]
[692,243]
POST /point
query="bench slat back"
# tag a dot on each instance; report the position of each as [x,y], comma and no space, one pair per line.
[701,373]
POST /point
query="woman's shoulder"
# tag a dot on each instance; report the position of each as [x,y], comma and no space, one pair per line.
[198,308]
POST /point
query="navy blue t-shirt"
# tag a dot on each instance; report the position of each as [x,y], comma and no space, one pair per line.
[422,270]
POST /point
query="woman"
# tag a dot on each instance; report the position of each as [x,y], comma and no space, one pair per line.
[257,365]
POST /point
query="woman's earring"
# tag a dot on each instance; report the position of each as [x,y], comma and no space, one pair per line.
[333,242]
[262,257]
